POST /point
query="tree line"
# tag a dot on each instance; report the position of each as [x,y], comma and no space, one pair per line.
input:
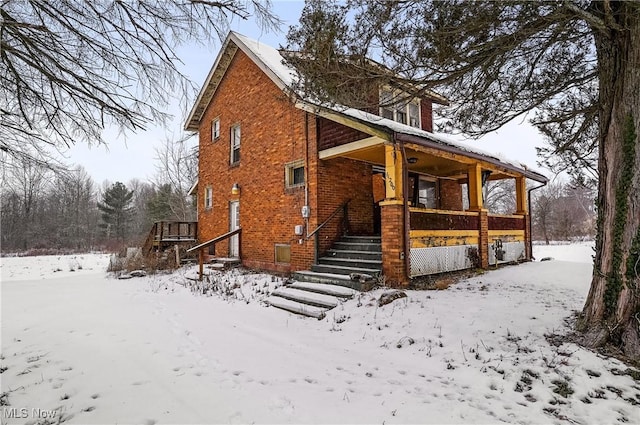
[44,209]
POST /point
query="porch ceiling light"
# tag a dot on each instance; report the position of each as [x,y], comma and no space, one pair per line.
[235,189]
[412,160]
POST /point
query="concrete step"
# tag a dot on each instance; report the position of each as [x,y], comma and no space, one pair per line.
[297,307]
[327,279]
[363,255]
[361,239]
[351,262]
[358,246]
[326,268]
[306,297]
[327,289]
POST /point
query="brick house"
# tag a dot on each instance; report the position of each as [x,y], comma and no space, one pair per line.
[296,177]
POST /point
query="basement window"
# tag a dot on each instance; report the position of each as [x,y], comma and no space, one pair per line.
[283,253]
[294,174]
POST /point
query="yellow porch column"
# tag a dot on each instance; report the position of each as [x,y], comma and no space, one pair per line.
[393,169]
[475,187]
[521,195]
[392,232]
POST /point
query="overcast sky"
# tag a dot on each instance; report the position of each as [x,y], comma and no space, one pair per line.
[130,156]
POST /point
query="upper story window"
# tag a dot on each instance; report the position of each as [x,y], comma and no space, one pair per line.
[215,129]
[405,112]
[208,198]
[235,144]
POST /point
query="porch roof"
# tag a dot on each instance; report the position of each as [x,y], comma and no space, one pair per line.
[444,152]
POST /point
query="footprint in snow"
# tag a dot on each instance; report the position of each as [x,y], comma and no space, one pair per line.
[237,372]
[95,396]
[311,380]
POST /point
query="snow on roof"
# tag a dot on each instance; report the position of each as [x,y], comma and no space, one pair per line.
[273,64]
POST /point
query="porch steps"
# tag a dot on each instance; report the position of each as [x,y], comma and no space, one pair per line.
[327,279]
[309,299]
[352,254]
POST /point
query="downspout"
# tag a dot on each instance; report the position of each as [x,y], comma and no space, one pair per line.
[405,204]
[531,216]
[306,167]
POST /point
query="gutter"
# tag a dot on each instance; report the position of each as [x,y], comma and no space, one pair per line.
[530,215]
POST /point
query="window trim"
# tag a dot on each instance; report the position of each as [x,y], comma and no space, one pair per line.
[275,253]
[208,196]
[288,174]
[233,145]
[395,108]
[215,129]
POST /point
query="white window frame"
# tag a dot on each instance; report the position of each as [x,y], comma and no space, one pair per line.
[215,129]
[288,174]
[236,138]
[208,198]
[400,109]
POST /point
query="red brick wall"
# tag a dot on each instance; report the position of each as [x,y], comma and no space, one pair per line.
[273,134]
[340,179]
[331,134]
[450,195]
[393,265]
[426,110]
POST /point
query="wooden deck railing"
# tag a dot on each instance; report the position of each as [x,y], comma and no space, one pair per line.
[166,233]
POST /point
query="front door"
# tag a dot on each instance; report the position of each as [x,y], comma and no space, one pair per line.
[234,223]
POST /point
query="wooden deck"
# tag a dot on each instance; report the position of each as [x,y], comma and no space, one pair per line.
[165,234]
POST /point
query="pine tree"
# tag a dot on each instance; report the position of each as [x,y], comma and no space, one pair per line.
[573,65]
[116,211]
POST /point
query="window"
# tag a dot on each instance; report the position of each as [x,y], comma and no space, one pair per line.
[215,129]
[427,197]
[414,115]
[294,174]
[235,144]
[208,198]
[283,254]
[423,192]
[403,112]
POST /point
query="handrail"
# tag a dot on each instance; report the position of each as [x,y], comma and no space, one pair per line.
[315,234]
[337,210]
[215,240]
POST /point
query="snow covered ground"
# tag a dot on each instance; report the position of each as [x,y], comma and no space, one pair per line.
[92,349]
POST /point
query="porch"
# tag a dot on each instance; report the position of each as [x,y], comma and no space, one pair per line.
[431,212]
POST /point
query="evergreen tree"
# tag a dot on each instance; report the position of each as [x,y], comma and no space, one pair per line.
[573,64]
[116,211]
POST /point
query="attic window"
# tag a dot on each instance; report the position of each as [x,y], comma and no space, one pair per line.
[392,107]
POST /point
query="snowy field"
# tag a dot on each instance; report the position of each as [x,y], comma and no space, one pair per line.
[81,347]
